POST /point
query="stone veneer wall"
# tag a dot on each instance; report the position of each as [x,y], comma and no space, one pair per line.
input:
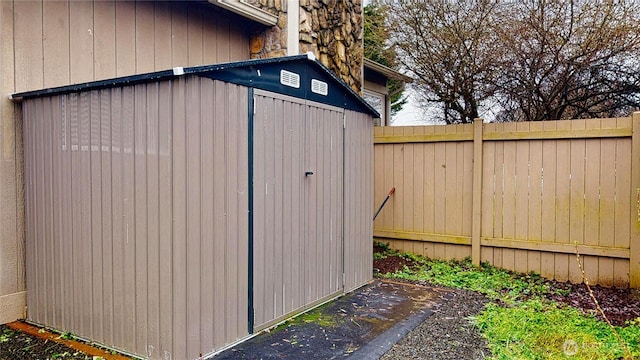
[331,29]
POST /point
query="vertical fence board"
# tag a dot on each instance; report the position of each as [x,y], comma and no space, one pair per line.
[430,186]
[419,184]
[521,191]
[409,185]
[634,259]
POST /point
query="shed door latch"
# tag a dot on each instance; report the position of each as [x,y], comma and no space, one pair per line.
[308,173]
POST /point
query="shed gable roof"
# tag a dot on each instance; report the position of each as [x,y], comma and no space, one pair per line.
[301,76]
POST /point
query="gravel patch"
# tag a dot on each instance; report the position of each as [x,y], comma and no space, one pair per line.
[447,333]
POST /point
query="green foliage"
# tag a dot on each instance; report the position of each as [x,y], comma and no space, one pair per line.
[316,316]
[60,355]
[382,245]
[378,256]
[495,283]
[522,324]
[376,40]
[7,334]
[376,35]
[537,329]
[67,336]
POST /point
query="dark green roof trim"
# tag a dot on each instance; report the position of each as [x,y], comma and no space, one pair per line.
[261,73]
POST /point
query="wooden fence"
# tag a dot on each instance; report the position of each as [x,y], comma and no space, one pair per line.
[522,196]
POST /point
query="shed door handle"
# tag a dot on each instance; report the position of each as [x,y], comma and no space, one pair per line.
[308,173]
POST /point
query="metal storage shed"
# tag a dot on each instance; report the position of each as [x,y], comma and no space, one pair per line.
[178,212]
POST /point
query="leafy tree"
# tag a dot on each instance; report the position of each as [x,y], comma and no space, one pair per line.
[521,60]
[376,40]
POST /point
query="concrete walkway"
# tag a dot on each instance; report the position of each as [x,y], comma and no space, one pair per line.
[360,325]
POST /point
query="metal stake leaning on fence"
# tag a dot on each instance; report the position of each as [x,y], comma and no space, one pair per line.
[393,189]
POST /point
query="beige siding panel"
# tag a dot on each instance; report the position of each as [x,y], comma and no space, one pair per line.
[125,38]
[207,252]
[29,132]
[55,43]
[81,39]
[104,46]
[219,223]
[358,190]
[162,35]
[140,202]
[193,207]
[145,37]
[297,218]
[12,247]
[117,215]
[151,181]
[128,265]
[27,38]
[128,218]
[165,217]
[195,35]
[179,34]
[106,221]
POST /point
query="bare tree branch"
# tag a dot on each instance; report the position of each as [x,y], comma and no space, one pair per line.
[533,60]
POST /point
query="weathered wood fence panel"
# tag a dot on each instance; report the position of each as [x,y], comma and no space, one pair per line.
[538,192]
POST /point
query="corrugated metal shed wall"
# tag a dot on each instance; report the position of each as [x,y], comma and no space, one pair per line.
[298,242]
[358,199]
[136,217]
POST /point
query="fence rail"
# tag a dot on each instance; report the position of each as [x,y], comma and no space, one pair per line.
[523,196]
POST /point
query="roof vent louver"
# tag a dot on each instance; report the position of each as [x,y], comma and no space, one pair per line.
[319,87]
[289,78]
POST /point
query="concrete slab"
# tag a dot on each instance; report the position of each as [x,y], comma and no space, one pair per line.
[360,325]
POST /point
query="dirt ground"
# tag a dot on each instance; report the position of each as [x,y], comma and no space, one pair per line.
[17,345]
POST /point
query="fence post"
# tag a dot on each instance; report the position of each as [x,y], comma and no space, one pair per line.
[634,241]
[476,226]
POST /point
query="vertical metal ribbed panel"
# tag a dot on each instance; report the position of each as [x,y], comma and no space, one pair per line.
[297,218]
[136,215]
[358,199]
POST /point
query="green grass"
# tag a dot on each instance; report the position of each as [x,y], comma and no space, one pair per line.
[316,316]
[538,329]
[520,323]
[486,279]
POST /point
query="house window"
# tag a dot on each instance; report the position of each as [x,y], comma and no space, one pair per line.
[378,102]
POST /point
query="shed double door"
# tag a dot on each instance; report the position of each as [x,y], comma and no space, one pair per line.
[298,205]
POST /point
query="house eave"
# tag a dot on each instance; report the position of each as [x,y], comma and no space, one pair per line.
[245,10]
[386,71]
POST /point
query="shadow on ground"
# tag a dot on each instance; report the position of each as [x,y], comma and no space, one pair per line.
[363,324]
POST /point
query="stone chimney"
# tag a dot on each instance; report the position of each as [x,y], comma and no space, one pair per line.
[331,29]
